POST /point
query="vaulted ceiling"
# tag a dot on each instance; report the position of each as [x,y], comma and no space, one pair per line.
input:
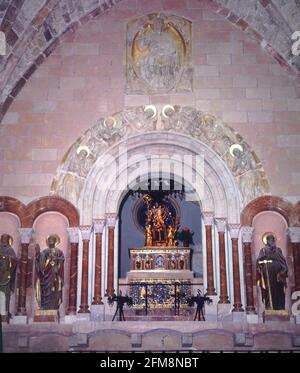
[34,28]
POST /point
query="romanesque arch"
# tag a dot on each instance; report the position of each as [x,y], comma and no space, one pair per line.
[232,173]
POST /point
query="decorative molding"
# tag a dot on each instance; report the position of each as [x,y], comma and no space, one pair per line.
[294,234]
[98,225]
[85,231]
[208,217]
[234,230]
[247,234]
[26,234]
[245,167]
[111,219]
[221,224]
[73,233]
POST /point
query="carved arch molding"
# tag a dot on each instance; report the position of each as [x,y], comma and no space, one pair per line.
[235,174]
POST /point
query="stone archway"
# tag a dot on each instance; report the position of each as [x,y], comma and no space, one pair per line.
[233,173]
[100,166]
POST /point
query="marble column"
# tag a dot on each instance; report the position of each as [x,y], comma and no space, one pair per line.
[111,222]
[74,239]
[208,218]
[86,235]
[294,233]
[247,234]
[98,228]
[234,230]
[25,234]
[221,225]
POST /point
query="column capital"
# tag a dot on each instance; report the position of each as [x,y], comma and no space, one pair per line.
[294,233]
[247,233]
[73,233]
[99,225]
[234,230]
[85,231]
[221,224]
[111,219]
[26,234]
[208,217]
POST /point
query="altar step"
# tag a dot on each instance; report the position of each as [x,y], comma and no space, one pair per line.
[159,314]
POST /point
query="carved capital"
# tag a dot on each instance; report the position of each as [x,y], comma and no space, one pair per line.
[234,230]
[208,217]
[294,233]
[73,233]
[221,224]
[111,219]
[247,233]
[25,234]
[99,225]
[85,231]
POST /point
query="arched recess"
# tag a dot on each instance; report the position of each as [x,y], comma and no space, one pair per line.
[266,203]
[230,180]
[14,206]
[45,224]
[277,213]
[50,203]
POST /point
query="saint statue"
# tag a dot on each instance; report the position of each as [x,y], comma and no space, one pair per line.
[148,235]
[49,268]
[8,264]
[170,236]
[273,270]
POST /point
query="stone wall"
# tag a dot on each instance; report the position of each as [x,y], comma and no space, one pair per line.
[151,336]
[84,79]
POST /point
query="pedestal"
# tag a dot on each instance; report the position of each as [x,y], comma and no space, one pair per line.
[46,316]
[211,310]
[252,318]
[297,319]
[238,316]
[70,319]
[83,316]
[224,312]
[18,320]
[97,312]
[110,311]
[276,316]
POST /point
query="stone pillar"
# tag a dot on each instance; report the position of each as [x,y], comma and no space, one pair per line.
[86,235]
[98,228]
[25,239]
[74,239]
[111,222]
[294,233]
[234,230]
[208,218]
[221,224]
[247,234]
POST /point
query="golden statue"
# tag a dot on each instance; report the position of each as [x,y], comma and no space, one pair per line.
[148,235]
[161,226]
[170,236]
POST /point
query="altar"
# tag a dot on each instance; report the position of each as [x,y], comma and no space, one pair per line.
[160,272]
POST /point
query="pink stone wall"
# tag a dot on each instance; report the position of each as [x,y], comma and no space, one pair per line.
[84,79]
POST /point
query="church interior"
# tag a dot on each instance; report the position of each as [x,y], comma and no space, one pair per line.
[149,175]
